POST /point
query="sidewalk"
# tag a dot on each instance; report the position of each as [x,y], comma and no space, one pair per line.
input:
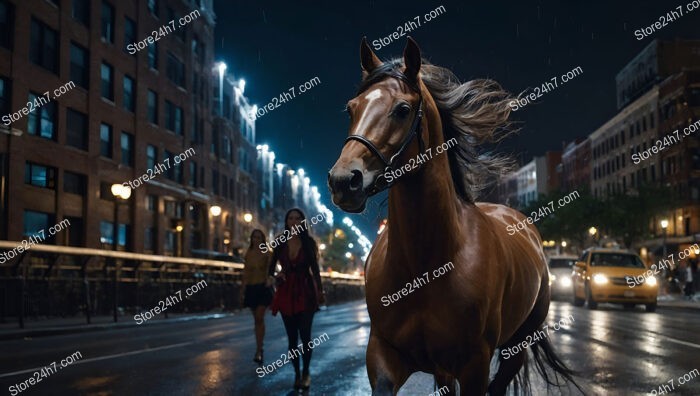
[677,301]
[56,326]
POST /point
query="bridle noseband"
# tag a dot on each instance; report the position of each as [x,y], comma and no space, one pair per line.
[414,131]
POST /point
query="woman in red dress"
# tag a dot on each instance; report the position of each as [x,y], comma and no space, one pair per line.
[299,290]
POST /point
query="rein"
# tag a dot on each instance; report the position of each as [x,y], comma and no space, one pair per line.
[414,131]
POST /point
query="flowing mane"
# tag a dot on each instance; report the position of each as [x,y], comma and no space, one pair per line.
[475,112]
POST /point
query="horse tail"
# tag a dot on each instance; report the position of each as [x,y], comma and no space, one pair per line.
[545,360]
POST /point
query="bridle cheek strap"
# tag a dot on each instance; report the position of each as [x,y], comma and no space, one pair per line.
[414,131]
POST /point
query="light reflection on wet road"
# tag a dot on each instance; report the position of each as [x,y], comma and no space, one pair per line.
[617,352]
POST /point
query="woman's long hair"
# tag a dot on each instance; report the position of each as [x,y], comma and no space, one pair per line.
[250,246]
[307,241]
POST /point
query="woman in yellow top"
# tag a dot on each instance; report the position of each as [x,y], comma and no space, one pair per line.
[257,287]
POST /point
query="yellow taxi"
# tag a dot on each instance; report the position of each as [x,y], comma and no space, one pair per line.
[613,276]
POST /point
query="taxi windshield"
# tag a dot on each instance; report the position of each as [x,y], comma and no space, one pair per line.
[616,260]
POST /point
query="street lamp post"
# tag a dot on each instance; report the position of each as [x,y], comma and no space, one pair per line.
[179,229]
[593,231]
[215,211]
[120,193]
[664,226]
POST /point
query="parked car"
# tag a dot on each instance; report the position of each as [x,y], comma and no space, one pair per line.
[613,276]
[560,269]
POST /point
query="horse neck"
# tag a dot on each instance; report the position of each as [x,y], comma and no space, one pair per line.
[424,213]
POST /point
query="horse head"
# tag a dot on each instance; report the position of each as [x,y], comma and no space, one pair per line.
[385,120]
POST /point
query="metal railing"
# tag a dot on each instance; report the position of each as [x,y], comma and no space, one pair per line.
[50,281]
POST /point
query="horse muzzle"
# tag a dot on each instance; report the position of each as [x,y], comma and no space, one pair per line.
[347,188]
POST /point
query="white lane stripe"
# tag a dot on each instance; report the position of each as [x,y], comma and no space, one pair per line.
[690,344]
[118,355]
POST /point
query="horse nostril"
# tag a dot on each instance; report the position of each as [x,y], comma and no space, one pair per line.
[356,180]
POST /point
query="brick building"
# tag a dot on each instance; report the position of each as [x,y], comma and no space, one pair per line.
[128,114]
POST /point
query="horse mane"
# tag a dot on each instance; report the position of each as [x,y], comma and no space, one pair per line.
[474,113]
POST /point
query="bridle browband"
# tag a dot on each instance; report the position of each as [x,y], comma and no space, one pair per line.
[414,131]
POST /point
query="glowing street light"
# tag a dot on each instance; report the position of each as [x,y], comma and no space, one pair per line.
[215,210]
[247,217]
[348,254]
[121,191]
[322,246]
[592,231]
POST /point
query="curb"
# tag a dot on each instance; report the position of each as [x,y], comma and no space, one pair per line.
[62,330]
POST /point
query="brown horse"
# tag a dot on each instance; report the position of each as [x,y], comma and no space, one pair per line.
[496,291]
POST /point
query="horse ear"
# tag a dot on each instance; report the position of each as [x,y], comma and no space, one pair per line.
[411,58]
[368,59]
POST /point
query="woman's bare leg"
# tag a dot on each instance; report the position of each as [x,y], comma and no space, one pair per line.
[259,314]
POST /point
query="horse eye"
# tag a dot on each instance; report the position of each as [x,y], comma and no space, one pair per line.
[402,110]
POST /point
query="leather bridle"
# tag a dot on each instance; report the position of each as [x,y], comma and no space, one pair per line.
[414,131]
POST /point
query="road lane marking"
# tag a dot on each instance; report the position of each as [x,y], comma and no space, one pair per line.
[118,355]
[690,344]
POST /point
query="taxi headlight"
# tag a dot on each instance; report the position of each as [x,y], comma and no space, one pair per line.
[600,279]
[565,281]
[651,281]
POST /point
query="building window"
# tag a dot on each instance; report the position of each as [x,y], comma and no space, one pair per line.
[180,34]
[651,120]
[127,143]
[173,117]
[148,238]
[152,107]
[151,156]
[36,224]
[129,32]
[152,203]
[214,140]
[173,209]
[7,24]
[198,49]
[153,7]
[74,183]
[44,46]
[39,175]
[227,148]
[192,181]
[175,70]
[153,56]
[106,140]
[215,181]
[107,77]
[81,11]
[129,94]
[79,65]
[42,117]
[169,241]
[107,22]
[76,129]
[177,172]
[170,172]
[5,96]
[107,233]
[75,232]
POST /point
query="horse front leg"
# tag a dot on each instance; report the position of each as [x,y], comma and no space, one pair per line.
[474,376]
[386,370]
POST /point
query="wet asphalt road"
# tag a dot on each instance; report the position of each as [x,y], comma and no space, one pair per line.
[617,352]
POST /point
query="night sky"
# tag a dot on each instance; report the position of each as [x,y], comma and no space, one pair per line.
[275,45]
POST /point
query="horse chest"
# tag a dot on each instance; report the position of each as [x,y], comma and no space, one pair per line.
[418,330]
